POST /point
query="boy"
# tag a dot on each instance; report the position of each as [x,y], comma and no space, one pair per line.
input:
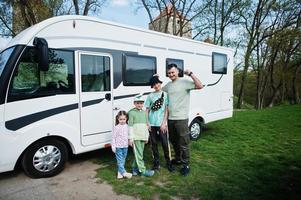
[156,107]
[138,135]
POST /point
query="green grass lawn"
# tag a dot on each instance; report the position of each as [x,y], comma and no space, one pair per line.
[254,155]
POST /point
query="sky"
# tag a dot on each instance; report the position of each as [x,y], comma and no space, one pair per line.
[120,11]
[123,11]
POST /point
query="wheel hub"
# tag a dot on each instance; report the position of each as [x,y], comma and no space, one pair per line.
[195,130]
[46,158]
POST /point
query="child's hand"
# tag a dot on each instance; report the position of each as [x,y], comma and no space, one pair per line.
[131,143]
[113,149]
[149,127]
[163,128]
[145,142]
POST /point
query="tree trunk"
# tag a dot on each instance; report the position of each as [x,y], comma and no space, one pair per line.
[276,92]
[29,10]
[86,9]
[244,78]
[222,23]
[75,2]
[263,90]
[258,96]
[215,23]
[295,85]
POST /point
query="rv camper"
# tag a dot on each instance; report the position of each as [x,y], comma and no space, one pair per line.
[63,80]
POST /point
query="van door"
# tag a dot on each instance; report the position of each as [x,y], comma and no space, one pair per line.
[95,82]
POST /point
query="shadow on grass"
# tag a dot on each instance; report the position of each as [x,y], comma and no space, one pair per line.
[216,173]
[278,179]
[254,155]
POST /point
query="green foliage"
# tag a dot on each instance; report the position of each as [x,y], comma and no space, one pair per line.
[254,155]
[27,76]
[245,105]
[250,88]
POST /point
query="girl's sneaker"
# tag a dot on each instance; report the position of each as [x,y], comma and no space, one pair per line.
[148,173]
[119,175]
[127,175]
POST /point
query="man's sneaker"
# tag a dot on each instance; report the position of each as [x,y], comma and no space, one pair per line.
[135,171]
[176,162]
[119,175]
[127,175]
[156,168]
[185,170]
[148,173]
[170,168]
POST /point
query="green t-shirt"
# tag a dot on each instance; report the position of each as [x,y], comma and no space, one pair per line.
[155,118]
[137,125]
[179,98]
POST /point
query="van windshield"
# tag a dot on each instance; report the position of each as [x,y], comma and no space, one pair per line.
[4,56]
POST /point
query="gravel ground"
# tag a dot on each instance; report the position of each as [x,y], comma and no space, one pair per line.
[77,181]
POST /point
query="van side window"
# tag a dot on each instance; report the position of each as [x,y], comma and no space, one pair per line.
[137,70]
[178,62]
[219,63]
[30,82]
[95,73]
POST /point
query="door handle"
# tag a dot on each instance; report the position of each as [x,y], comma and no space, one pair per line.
[116,108]
[108,96]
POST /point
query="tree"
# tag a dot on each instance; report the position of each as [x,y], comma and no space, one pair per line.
[83,7]
[268,17]
[6,19]
[287,45]
[219,15]
[17,15]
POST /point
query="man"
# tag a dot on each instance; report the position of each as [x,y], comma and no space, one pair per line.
[178,90]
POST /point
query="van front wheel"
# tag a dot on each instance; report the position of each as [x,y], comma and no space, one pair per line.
[45,158]
[195,129]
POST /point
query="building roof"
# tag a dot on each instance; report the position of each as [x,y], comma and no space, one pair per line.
[169,11]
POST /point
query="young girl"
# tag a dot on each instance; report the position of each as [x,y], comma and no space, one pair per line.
[120,143]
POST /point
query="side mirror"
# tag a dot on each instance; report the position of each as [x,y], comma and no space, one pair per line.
[42,51]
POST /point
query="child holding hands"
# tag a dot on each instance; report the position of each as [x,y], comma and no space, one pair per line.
[139,136]
[120,143]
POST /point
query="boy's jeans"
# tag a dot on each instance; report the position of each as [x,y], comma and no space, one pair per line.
[121,154]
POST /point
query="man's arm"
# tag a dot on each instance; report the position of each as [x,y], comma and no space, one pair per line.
[198,84]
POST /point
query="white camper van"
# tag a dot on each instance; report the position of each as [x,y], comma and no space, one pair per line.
[63,81]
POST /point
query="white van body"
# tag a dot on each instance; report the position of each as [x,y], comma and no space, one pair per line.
[84,118]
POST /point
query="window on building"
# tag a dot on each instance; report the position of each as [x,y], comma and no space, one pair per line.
[29,81]
[178,62]
[95,73]
[219,63]
[137,70]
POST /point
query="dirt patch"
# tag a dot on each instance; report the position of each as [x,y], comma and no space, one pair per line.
[80,183]
[77,181]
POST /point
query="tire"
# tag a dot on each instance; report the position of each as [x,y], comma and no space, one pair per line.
[45,158]
[195,129]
